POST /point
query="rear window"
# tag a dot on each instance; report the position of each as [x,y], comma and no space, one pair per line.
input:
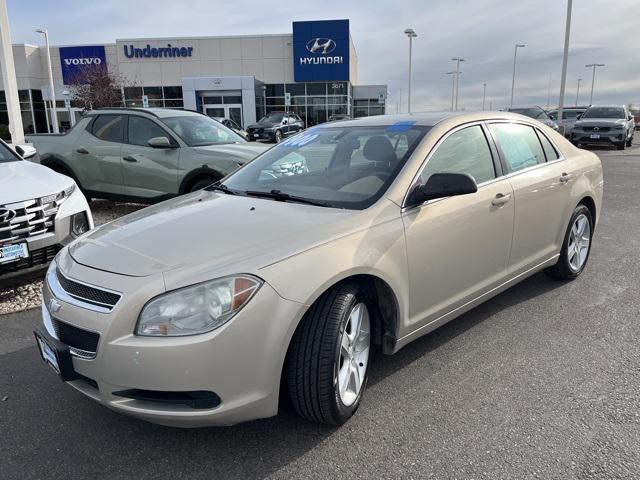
[109,128]
[549,151]
[519,144]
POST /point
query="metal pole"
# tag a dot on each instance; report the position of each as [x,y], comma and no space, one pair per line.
[565,59]
[8,70]
[578,91]
[593,78]
[453,86]
[484,94]
[457,81]
[409,92]
[513,77]
[54,115]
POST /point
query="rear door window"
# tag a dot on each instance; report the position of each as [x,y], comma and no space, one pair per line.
[549,151]
[109,128]
[519,144]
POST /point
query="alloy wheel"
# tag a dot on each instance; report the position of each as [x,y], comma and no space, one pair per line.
[354,354]
[579,241]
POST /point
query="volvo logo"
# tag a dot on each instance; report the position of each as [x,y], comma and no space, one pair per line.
[54,306]
[596,129]
[321,45]
[83,61]
[7,215]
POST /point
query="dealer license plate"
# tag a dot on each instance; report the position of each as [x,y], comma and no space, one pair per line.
[594,136]
[48,354]
[9,253]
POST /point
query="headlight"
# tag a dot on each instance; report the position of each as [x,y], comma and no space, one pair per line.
[618,127]
[197,309]
[66,193]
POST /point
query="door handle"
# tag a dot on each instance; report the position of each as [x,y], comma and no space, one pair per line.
[82,150]
[500,199]
[129,158]
[565,177]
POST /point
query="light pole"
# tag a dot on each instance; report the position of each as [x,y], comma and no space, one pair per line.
[457,60]
[54,115]
[484,94]
[578,91]
[453,86]
[593,78]
[565,59]
[513,77]
[411,34]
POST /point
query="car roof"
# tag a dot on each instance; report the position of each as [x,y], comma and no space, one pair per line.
[426,119]
[156,112]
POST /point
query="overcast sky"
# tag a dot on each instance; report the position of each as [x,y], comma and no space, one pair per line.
[481,31]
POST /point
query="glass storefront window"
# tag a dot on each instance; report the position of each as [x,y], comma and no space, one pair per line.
[153,92]
[133,93]
[232,99]
[316,88]
[337,88]
[173,103]
[274,90]
[295,88]
[172,92]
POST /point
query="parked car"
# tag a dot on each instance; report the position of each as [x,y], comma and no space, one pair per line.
[569,117]
[636,116]
[604,125]
[227,122]
[275,126]
[386,228]
[536,113]
[144,154]
[40,212]
[340,116]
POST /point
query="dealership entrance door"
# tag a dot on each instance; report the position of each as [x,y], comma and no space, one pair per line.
[234,112]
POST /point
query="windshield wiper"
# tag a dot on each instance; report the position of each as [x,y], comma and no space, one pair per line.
[220,187]
[285,197]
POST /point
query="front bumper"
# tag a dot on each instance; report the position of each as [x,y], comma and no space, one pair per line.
[614,137]
[261,134]
[240,362]
[44,247]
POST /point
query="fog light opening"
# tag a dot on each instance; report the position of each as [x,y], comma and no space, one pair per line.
[79,224]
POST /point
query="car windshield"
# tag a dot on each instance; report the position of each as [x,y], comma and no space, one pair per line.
[272,118]
[7,155]
[604,112]
[346,167]
[198,130]
[530,112]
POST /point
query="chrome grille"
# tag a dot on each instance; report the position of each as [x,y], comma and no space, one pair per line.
[87,293]
[23,220]
[596,129]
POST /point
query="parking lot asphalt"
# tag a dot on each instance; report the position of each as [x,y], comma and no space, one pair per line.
[542,381]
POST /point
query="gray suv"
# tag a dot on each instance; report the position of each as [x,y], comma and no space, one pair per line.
[604,125]
[144,155]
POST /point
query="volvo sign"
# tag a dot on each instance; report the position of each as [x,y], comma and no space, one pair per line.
[76,62]
[321,50]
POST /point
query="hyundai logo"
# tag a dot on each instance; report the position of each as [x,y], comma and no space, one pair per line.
[54,306]
[6,215]
[321,45]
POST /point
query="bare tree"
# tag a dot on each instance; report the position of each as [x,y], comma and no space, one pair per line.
[95,87]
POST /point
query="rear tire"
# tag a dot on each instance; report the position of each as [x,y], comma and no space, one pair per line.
[329,356]
[576,246]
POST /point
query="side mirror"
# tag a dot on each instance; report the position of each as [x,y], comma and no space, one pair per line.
[442,185]
[159,142]
[26,151]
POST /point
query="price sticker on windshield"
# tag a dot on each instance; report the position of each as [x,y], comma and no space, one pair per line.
[299,140]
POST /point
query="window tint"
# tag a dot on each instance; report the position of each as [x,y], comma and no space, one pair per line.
[465,151]
[109,128]
[141,130]
[549,151]
[519,144]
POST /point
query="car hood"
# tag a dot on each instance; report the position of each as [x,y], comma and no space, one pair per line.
[600,122]
[263,125]
[210,230]
[239,152]
[23,180]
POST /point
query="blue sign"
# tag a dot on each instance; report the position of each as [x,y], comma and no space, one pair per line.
[76,62]
[321,51]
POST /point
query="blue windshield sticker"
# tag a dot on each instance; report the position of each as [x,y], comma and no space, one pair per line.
[299,140]
[401,126]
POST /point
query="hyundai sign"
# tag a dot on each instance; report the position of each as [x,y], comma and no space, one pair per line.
[321,50]
[77,61]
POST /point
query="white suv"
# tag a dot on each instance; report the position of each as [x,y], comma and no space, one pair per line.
[40,212]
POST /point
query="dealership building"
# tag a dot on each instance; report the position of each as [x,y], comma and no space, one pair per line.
[312,71]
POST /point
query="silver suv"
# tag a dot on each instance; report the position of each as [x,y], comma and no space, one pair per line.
[604,125]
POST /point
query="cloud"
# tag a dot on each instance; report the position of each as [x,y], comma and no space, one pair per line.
[482,32]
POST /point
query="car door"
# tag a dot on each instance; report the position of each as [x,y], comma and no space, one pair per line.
[541,185]
[294,125]
[96,155]
[149,172]
[458,247]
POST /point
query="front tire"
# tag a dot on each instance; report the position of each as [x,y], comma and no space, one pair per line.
[576,246]
[200,184]
[327,364]
[278,136]
[630,141]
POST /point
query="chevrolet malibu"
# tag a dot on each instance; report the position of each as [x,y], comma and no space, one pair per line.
[348,237]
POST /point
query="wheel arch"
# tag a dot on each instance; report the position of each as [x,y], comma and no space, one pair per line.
[56,164]
[198,174]
[590,203]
